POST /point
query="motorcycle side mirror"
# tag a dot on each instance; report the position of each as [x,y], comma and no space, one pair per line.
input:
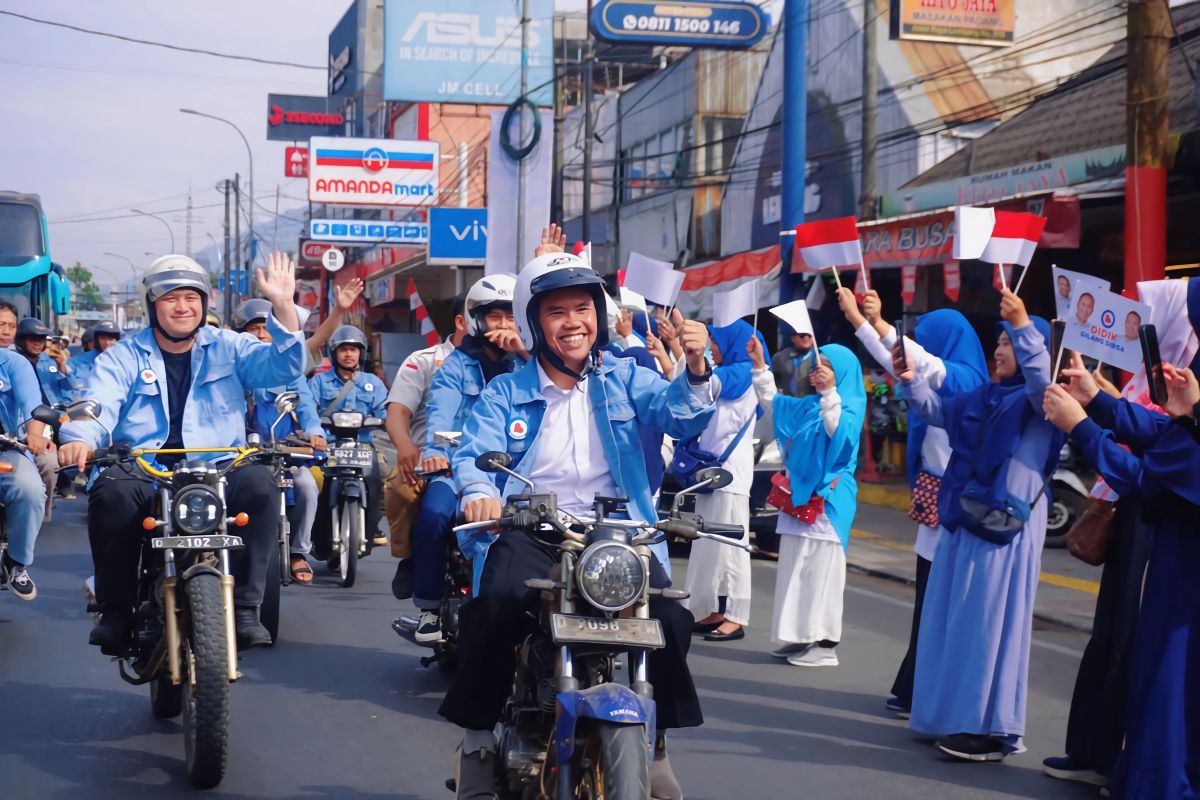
[82,410]
[714,477]
[47,416]
[493,461]
[286,402]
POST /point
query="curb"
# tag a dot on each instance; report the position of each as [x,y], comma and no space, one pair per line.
[888,495]
[890,575]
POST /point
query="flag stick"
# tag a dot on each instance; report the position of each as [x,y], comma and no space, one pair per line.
[836,278]
[1057,362]
[1003,277]
[866,280]
[1021,280]
[646,311]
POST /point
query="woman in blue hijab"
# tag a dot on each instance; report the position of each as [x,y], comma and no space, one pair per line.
[948,353]
[1162,741]
[715,570]
[971,683]
[818,437]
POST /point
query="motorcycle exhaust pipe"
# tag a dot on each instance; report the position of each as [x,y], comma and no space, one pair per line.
[231,651]
[172,629]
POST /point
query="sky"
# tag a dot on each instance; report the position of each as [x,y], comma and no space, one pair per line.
[92,124]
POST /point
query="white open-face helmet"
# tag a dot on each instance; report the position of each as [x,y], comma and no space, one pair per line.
[545,274]
[169,273]
[486,294]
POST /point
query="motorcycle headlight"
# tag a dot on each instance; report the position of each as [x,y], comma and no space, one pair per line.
[197,510]
[610,575]
[346,419]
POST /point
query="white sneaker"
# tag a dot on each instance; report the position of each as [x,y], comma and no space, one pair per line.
[429,627]
[815,657]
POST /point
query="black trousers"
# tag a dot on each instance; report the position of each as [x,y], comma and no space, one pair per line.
[494,623]
[373,511]
[902,688]
[119,501]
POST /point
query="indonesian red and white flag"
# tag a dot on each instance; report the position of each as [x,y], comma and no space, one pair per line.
[860,284]
[972,230]
[908,283]
[422,314]
[951,280]
[1014,238]
[829,243]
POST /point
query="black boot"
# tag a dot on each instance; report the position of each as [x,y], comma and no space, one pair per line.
[250,631]
[402,581]
[111,633]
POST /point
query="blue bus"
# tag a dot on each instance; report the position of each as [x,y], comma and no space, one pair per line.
[28,278]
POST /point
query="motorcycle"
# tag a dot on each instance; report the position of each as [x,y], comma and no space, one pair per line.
[345,474]
[43,414]
[184,643]
[456,590]
[568,723]
[281,457]
[1069,497]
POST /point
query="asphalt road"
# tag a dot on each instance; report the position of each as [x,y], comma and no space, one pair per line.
[340,707]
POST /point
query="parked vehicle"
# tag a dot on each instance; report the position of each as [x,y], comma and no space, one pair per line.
[1070,486]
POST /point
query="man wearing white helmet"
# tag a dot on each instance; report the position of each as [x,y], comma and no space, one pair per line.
[488,350]
[182,384]
[570,420]
[252,317]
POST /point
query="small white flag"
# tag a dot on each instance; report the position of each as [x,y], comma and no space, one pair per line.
[740,301]
[816,294]
[631,299]
[795,314]
[972,231]
[655,280]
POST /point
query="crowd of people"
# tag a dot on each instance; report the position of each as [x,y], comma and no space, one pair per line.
[590,399]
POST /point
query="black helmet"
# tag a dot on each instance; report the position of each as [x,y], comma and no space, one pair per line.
[106,327]
[32,328]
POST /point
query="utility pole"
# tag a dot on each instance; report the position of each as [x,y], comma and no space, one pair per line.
[556,185]
[522,253]
[237,238]
[187,236]
[795,121]
[228,254]
[1148,34]
[870,72]
[588,133]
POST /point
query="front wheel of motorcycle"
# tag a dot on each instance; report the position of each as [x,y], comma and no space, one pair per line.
[616,763]
[351,540]
[206,673]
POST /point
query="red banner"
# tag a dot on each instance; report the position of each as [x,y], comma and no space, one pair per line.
[950,280]
[929,239]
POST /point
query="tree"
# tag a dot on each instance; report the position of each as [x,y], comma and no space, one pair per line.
[87,294]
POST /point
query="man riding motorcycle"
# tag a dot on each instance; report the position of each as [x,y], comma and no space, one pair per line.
[50,363]
[485,352]
[346,388]
[251,317]
[570,423]
[96,340]
[180,383]
[21,491]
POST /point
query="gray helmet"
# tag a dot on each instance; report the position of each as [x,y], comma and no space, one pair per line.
[251,311]
[167,274]
[106,327]
[346,334]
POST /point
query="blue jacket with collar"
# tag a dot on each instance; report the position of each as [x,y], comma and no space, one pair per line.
[129,383]
[19,392]
[265,414]
[367,396]
[456,388]
[624,397]
[81,367]
[57,387]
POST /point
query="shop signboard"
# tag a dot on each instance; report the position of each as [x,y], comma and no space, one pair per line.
[295,118]
[368,232]
[976,22]
[373,172]
[465,51]
[458,236]
[680,23]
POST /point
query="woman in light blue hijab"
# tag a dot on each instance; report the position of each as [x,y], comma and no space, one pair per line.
[818,437]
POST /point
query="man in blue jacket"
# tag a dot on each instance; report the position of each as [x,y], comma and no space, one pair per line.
[96,340]
[182,384]
[570,421]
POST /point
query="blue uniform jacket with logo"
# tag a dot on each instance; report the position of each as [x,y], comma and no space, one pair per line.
[19,392]
[455,390]
[624,397]
[129,381]
[81,367]
[57,387]
[264,415]
[367,396]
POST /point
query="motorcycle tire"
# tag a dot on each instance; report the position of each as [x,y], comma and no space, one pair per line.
[1066,506]
[618,763]
[268,613]
[206,691]
[166,699]
[352,533]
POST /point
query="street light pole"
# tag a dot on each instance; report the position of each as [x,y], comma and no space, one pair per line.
[160,219]
[250,155]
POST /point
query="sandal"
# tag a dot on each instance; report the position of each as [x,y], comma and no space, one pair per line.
[301,572]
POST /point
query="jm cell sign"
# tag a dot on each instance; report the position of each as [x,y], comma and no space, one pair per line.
[373,172]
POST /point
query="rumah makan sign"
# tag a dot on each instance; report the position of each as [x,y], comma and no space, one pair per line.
[977,22]
[373,172]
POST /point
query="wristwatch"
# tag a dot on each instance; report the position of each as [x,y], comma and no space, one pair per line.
[696,380]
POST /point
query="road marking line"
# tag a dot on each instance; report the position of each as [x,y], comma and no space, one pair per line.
[1050,578]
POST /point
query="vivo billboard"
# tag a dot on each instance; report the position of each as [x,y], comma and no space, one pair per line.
[465,51]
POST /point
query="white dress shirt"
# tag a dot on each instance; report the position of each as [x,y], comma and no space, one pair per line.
[410,386]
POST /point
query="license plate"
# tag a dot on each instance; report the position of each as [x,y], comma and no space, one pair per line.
[354,456]
[196,542]
[569,629]
[287,483]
